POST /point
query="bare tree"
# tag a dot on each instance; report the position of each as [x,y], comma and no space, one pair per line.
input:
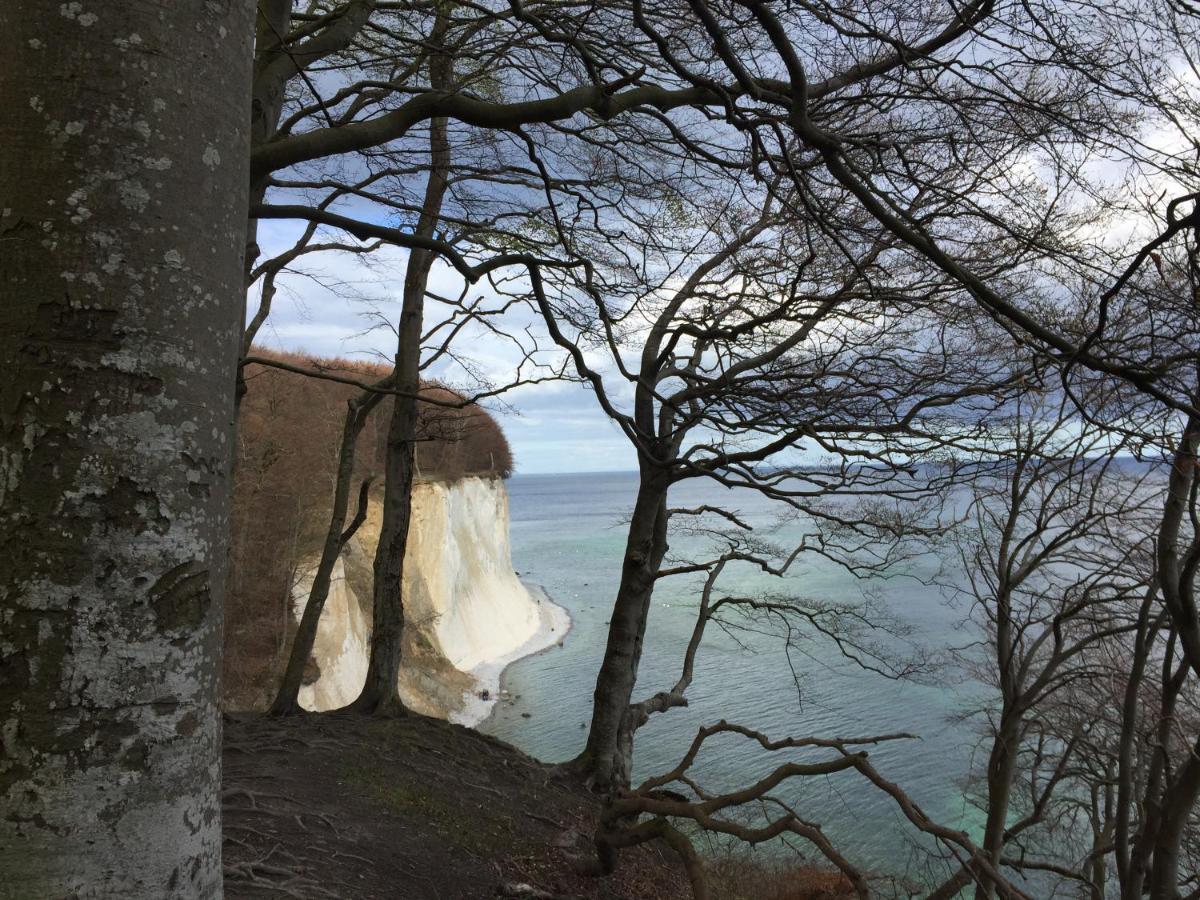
[338,533]
[668,808]
[367,55]
[380,694]
[738,354]
[1054,551]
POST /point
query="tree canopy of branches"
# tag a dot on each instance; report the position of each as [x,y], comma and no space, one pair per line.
[907,220]
[803,248]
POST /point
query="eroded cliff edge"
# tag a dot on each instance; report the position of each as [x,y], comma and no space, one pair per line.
[466,612]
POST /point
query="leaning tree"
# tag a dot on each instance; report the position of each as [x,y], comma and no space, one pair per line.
[796,377]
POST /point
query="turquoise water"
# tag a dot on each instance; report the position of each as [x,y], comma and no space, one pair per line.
[567,535]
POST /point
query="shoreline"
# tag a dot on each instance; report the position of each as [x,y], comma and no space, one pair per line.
[554,623]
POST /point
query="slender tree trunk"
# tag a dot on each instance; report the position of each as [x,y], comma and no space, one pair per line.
[1103,829]
[272,69]
[1001,766]
[286,701]
[122,219]
[1154,861]
[271,22]
[1097,882]
[380,693]
[606,760]
[1129,727]
[1141,856]
[1181,798]
[1158,791]
[1178,589]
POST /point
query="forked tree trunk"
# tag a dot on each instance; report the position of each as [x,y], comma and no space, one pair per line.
[287,700]
[122,220]
[1155,792]
[607,759]
[1176,812]
[380,693]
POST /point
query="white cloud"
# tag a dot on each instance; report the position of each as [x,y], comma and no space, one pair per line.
[553,426]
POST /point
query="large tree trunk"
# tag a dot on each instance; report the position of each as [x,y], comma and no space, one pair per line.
[607,758]
[380,693]
[122,220]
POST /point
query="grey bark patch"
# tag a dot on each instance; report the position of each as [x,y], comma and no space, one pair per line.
[66,322]
[14,670]
[180,598]
[131,507]
[136,757]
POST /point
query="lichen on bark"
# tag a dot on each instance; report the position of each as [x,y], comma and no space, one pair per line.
[119,326]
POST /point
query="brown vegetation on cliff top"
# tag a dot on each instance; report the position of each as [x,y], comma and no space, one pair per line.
[289,428]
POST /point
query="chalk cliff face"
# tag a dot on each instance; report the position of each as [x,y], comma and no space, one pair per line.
[465,608]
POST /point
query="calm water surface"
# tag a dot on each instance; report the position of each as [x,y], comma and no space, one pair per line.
[568,534]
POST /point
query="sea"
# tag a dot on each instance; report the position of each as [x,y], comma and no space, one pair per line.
[568,534]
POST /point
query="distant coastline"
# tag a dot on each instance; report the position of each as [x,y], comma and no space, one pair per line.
[553,626]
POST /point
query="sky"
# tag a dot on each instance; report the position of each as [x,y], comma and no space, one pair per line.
[336,305]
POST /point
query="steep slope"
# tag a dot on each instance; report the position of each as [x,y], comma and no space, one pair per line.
[466,611]
[341,806]
[466,604]
[409,809]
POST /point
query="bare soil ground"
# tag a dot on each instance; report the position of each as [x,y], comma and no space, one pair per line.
[409,809]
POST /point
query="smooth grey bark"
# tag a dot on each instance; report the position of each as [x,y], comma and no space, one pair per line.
[1177,809]
[122,220]
[1002,762]
[380,693]
[607,758]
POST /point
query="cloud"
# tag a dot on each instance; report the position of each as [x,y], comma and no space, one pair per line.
[334,304]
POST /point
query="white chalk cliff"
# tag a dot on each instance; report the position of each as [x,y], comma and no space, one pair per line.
[466,612]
